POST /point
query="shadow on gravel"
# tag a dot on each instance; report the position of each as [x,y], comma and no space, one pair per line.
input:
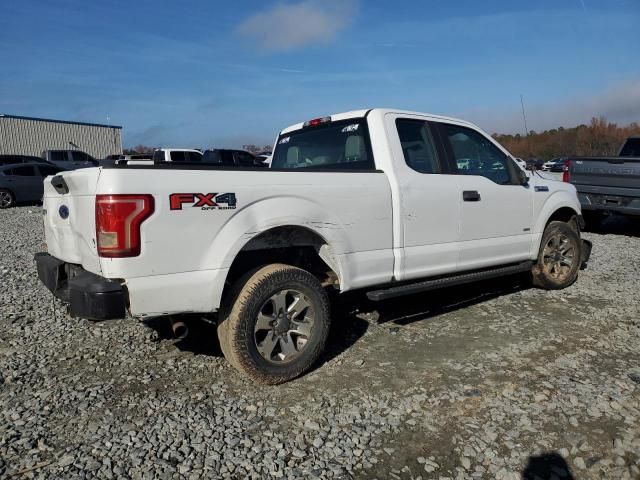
[616,225]
[546,467]
[415,308]
[348,326]
[202,338]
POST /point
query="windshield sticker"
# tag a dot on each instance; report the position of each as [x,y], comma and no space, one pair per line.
[351,128]
[284,140]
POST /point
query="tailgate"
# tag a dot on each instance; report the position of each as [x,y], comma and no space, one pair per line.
[617,172]
[69,217]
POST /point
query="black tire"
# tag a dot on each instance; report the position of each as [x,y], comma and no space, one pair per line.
[560,241]
[238,328]
[7,199]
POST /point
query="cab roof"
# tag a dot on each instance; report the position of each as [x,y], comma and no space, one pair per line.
[379,111]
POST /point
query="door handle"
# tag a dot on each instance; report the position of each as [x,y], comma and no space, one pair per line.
[471,196]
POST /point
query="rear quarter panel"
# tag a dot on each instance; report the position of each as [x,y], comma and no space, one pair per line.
[351,211]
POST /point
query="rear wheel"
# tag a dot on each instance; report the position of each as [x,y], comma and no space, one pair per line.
[6,198]
[559,258]
[275,324]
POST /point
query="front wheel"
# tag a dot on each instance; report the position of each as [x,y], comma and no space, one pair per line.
[6,198]
[559,258]
[275,324]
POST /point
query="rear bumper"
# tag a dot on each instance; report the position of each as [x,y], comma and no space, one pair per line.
[612,203]
[88,295]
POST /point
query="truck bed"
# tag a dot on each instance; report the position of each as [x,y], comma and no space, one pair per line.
[607,184]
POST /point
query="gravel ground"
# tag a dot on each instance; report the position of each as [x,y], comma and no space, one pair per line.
[495,380]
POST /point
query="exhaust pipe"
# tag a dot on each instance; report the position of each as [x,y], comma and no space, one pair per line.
[180,330]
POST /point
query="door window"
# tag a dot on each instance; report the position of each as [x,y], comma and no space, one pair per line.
[21,172]
[193,156]
[177,156]
[244,159]
[58,156]
[79,156]
[417,145]
[474,154]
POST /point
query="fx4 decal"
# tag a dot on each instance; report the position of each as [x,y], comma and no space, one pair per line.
[204,201]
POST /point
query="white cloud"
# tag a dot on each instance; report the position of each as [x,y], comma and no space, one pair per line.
[294,25]
[619,104]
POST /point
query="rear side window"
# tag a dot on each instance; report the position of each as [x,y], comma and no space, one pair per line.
[58,156]
[9,159]
[178,156]
[417,144]
[341,145]
[474,154]
[21,172]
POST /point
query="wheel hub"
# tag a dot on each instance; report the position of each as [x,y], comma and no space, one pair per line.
[284,326]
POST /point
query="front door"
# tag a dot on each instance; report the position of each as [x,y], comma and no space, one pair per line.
[496,211]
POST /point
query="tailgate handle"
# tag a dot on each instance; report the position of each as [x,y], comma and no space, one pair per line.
[59,184]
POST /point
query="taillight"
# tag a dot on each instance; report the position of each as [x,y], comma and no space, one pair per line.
[565,171]
[118,219]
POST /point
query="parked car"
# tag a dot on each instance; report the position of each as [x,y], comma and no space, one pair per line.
[534,164]
[69,159]
[608,185]
[229,157]
[184,155]
[521,163]
[23,182]
[358,200]
[13,159]
[557,163]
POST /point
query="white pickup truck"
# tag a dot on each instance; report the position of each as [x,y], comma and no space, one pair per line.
[390,201]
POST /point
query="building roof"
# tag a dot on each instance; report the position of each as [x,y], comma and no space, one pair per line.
[3,115]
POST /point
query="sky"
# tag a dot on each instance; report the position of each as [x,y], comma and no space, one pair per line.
[204,73]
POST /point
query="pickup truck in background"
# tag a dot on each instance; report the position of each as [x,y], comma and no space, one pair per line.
[388,201]
[69,159]
[607,185]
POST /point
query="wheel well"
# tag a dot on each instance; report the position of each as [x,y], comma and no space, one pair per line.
[564,214]
[297,246]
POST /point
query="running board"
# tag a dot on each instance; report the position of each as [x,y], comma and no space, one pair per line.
[460,279]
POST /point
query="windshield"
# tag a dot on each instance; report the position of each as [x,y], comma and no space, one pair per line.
[340,145]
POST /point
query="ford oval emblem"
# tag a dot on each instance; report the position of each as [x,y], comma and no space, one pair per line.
[64,212]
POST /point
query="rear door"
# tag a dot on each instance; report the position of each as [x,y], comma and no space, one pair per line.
[25,182]
[496,212]
[428,209]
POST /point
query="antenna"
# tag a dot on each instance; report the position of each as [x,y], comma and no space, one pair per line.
[526,130]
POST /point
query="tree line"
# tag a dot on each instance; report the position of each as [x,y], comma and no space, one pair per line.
[600,137]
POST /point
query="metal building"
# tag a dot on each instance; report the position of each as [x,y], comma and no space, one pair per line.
[31,136]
